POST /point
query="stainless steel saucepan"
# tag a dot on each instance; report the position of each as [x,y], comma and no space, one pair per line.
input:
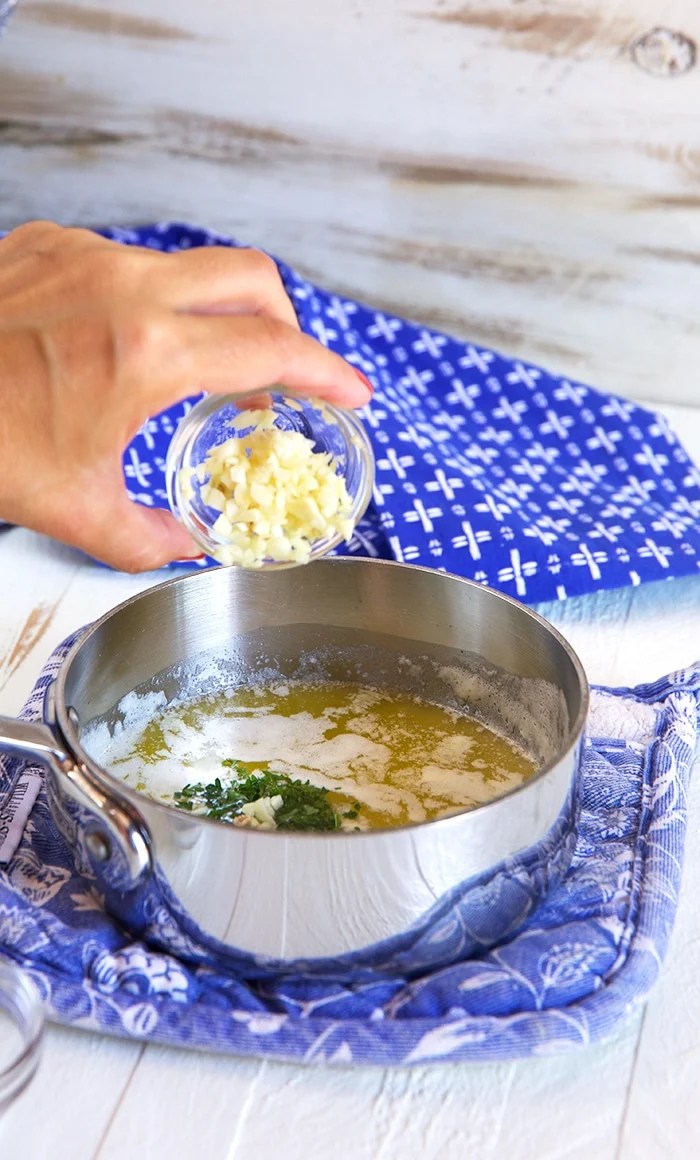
[311,895]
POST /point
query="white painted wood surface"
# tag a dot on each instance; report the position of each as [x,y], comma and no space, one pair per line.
[508,170]
[634,1098]
[503,170]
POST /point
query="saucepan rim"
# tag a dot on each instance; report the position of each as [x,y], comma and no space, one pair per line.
[70,732]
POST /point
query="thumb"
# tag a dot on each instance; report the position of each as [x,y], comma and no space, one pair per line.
[134,538]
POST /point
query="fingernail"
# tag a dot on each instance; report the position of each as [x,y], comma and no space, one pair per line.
[365,380]
[190,559]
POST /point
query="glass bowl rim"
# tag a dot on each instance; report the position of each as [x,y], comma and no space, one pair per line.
[190,427]
[21,1002]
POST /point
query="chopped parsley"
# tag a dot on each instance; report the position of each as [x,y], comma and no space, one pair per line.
[304,806]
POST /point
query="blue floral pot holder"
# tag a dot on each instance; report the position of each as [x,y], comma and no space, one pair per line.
[583,959]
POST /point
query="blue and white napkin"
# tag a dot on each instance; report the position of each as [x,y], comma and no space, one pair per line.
[487,467]
[579,963]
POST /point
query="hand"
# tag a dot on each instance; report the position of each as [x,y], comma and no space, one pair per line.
[95,338]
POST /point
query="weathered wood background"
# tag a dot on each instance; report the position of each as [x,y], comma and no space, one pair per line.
[522,172]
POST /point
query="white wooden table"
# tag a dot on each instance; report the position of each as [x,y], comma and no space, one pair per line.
[635,1097]
[515,172]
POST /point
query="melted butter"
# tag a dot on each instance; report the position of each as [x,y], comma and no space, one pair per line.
[404,759]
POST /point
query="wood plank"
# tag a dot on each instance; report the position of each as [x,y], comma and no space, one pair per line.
[69,1105]
[552,90]
[661,1117]
[51,591]
[592,300]
[195,1103]
[505,172]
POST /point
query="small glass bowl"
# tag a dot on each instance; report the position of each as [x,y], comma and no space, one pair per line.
[21,1031]
[209,423]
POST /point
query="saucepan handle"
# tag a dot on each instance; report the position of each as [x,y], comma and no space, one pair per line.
[115,826]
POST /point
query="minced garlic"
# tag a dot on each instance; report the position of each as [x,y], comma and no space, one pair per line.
[275,495]
[260,814]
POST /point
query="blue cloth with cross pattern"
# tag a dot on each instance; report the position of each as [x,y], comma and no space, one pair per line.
[487,467]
